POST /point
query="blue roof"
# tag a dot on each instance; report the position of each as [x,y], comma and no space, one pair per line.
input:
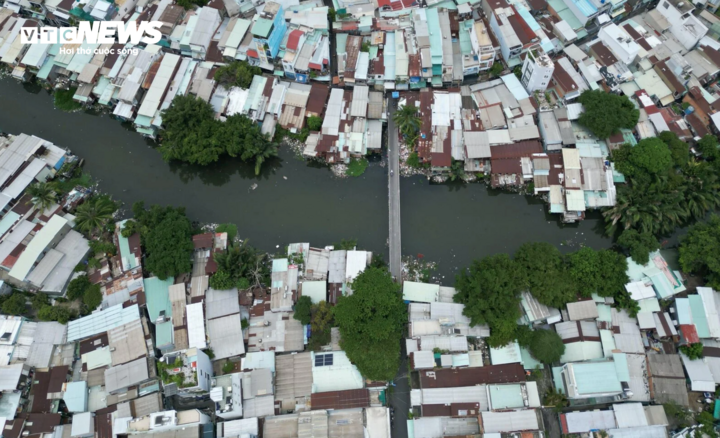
[129,260]
[164,335]
[585,7]
[697,308]
[684,314]
[157,293]
[596,377]
[529,19]
[621,366]
[7,221]
[280,265]
[76,396]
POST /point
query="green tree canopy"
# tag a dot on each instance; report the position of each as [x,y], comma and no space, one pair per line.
[237,74]
[77,287]
[314,123]
[371,322]
[408,121]
[192,134]
[679,150]
[651,156]
[708,147]
[321,325]
[92,297]
[166,234]
[543,274]
[302,309]
[605,113]
[638,244]
[490,289]
[14,305]
[546,346]
[692,351]
[42,196]
[95,213]
[230,229]
[699,251]
[60,314]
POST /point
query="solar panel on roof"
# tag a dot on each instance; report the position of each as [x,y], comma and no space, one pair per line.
[319,360]
[328,359]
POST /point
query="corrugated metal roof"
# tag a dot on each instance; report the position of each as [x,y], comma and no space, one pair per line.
[37,245]
[582,422]
[516,421]
[102,321]
[223,333]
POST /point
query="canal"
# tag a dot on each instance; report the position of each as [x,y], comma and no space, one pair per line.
[294,201]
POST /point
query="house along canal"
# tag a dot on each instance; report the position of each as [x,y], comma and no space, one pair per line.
[297,201]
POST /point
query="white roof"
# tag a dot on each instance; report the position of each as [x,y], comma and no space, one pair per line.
[498,422]
[582,309]
[445,396]
[129,374]
[154,95]
[37,246]
[196,326]
[420,292]
[340,376]
[582,422]
[223,333]
[102,321]
[356,263]
[639,290]
[10,376]
[630,415]
[701,379]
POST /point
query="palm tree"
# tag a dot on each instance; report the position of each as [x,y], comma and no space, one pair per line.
[259,149]
[94,213]
[407,119]
[43,197]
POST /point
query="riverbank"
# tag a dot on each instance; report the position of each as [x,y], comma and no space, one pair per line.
[296,201]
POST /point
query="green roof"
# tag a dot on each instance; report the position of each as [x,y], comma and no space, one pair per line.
[262,27]
[698,314]
[608,342]
[596,378]
[7,221]
[604,313]
[506,396]
[157,293]
[621,367]
[76,396]
[433,21]
[164,335]
[340,42]
[509,353]
[570,19]
[529,362]
[129,261]
[316,290]
[464,36]
[44,71]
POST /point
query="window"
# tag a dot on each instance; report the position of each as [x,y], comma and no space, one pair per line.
[323,359]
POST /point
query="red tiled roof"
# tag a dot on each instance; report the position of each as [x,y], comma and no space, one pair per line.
[354,398]
[452,378]
[205,240]
[689,333]
[294,39]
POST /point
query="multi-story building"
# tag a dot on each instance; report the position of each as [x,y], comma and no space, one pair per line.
[537,70]
[186,373]
[268,31]
[482,45]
